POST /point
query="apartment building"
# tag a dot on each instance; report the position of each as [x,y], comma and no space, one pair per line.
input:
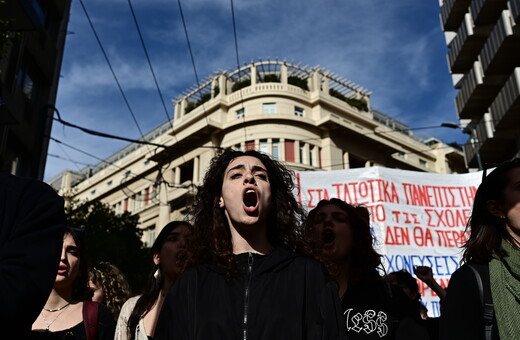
[483,37]
[31,50]
[308,118]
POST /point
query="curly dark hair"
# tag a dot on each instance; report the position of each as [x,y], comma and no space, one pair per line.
[364,262]
[212,234]
[114,284]
[486,229]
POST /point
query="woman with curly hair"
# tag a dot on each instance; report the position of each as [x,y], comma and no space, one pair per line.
[373,309]
[248,279]
[139,314]
[109,286]
[483,296]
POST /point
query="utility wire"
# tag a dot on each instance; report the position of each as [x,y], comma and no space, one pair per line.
[111,68]
[191,55]
[149,63]
[68,156]
[238,66]
[137,141]
[67,159]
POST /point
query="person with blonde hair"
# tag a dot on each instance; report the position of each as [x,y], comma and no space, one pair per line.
[109,286]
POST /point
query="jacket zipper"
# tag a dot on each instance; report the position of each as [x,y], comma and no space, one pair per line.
[246,292]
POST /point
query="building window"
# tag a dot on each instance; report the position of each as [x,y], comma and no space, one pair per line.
[125,205]
[269,108]
[276,149]
[263,146]
[298,111]
[26,83]
[151,235]
[147,162]
[301,153]
[109,183]
[93,192]
[127,174]
[237,147]
[289,150]
[250,145]
[187,171]
[146,196]
[423,163]
[240,113]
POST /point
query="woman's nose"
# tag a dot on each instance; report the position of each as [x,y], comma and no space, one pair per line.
[249,178]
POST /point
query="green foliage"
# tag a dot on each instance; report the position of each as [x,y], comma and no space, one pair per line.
[190,106]
[271,78]
[240,84]
[113,238]
[297,81]
[360,104]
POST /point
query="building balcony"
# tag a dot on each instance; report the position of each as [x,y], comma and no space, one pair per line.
[476,93]
[505,107]
[466,45]
[501,53]
[452,13]
[486,12]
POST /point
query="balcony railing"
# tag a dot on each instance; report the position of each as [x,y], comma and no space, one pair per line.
[501,52]
[452,13]
[505,107]
[465,47]
[486,12]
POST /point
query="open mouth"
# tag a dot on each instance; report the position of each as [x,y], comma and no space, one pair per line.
[62,270]
[250,198]
[327,237]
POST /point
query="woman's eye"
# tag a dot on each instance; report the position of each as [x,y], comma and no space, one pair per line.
[262,177]
[234,176]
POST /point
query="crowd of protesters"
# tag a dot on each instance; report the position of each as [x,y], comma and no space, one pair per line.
[252,265]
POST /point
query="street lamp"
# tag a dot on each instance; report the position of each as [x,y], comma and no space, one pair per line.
[473,137]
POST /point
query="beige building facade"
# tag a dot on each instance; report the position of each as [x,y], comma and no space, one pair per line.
[308,118]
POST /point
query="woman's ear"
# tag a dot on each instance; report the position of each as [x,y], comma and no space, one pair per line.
[494,208]
[221,202]
[156,259]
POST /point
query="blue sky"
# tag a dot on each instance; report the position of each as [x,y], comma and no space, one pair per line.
[396,49]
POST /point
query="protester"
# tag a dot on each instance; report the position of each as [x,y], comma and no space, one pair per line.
[248,280]
[139,314]
[425,274]
[373,308]
[109,286]
[67,313]
[490,275]
[404,280]
[32,222]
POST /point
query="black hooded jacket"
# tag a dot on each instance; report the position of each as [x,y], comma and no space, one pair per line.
[278,296]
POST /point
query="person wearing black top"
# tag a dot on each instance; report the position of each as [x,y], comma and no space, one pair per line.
[372,308]
[249,279]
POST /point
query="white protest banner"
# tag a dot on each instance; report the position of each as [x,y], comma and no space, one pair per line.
[418,219]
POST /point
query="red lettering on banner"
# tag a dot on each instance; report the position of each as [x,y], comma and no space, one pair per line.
[397,236]
[438,196]
[447,217]
[451,238]
[422,237]
[371,191]
[409,218]
[319,194]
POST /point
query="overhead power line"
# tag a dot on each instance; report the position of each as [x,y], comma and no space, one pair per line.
[191,54]
[149,63]
[111,68]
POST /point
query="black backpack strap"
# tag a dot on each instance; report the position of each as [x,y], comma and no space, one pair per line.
[484,289]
